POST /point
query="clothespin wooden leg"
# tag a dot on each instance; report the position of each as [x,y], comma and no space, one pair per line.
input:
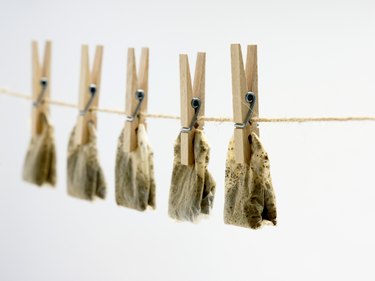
[143,82]
[82,130]
[130,141]
[186,92]
[199,84]
[95,80]
[252,82]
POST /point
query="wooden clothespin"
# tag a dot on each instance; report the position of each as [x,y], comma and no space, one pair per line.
[41,82]
[245,99]
[136,97]
[89,91]
[192,104]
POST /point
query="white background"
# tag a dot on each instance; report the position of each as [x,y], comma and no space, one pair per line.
[316,58]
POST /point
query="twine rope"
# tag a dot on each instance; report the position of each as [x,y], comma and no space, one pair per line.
[10,93]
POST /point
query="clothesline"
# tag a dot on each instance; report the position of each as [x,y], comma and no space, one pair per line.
[10,93]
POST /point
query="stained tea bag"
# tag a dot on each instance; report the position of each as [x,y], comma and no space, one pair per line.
[249,195]
[192,187]
[85,176]
[40,162]
[134,173]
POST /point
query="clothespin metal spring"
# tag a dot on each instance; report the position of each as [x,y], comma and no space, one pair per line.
[139,95]
[92,89]
[43,84]
[250,98]
[196,104]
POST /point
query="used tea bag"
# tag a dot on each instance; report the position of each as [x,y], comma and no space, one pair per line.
[134,173]
[249,195]
[85,176]
[40,162]
[192,187]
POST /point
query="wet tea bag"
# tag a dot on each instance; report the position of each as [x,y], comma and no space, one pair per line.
[40,162]
[134,173]
[85,176]
[192,187]
[249,195]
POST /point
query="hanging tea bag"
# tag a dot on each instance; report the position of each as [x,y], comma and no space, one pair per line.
[249,195]
[192,187]
[40,162]
[85,176]
[134,173]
